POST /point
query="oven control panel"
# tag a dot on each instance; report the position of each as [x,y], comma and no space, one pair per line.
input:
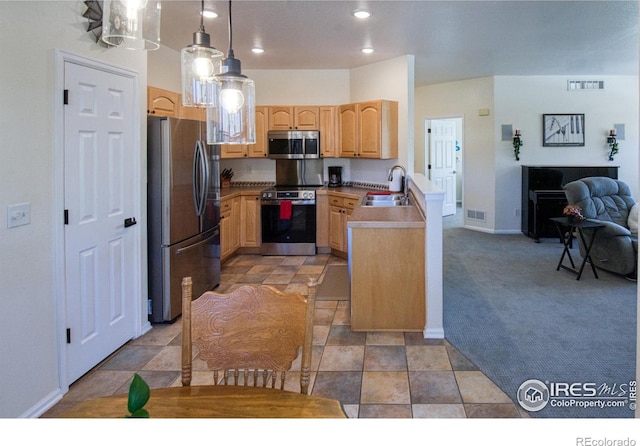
[289,195]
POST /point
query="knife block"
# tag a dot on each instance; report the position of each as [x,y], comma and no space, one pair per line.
[225,182]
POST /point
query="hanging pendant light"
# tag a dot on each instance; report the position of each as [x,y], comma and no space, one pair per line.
[232,119]
[132,24]
[200,63]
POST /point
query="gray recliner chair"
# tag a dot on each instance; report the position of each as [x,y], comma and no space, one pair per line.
[608,201]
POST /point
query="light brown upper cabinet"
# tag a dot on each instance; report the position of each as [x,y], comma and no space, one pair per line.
[257,150]
[328,131]
[368,129]
[195,113]
[348,141]
[294,118]
[162,102]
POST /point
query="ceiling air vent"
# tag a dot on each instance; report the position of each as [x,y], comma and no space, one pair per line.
[585,85]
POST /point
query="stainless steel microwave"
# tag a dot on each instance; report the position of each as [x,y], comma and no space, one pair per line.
[294,144]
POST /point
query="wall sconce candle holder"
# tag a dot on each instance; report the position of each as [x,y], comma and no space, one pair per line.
[517,143]
[613,144]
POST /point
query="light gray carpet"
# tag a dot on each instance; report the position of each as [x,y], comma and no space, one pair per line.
[335,283]
[509,311]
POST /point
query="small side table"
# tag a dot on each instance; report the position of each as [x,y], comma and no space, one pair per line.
[565,225]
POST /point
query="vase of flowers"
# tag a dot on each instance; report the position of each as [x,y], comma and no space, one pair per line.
[573,213]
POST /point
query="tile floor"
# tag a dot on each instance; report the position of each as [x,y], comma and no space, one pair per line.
[373,374]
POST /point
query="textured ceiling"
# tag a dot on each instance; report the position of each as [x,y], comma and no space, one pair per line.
[451,40]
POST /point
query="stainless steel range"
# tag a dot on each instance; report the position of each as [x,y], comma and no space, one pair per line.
[288,220]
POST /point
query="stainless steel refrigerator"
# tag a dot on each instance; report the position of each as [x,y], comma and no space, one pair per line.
[183,213]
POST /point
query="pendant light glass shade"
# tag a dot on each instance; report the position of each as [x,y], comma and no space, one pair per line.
[200,63]
[132,24]
[232,119]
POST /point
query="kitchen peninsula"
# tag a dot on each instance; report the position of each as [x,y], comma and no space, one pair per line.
[419,247]
[386,268]
[395,264]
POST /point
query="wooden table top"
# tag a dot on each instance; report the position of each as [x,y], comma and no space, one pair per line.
[214,402]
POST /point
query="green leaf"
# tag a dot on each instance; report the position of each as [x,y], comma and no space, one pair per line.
[138,395]
[140,413]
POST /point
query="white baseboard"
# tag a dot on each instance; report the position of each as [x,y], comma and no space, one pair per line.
[43,405]
[433,333]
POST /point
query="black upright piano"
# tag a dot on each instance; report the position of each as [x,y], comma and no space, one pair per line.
[543,195]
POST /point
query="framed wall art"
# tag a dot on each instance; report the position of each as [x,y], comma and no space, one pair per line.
[562,130]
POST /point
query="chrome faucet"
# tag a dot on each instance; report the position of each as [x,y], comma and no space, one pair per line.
[405,184]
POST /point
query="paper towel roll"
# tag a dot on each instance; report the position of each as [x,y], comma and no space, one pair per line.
[395,185]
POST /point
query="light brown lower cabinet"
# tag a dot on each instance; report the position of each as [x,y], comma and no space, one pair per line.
[322,223]
[229,226]
[250,221]
[340,207]
[387,279]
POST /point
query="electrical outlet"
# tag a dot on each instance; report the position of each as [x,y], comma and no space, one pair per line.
[18,215]
[516,212]
[249,168]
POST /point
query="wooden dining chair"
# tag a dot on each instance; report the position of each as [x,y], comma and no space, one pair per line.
[250,336]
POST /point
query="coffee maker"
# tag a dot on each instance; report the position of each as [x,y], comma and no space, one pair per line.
[335,176]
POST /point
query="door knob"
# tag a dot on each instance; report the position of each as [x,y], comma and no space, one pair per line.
[129,222]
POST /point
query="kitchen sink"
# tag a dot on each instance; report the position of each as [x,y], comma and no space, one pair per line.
[385,200]
[383,197]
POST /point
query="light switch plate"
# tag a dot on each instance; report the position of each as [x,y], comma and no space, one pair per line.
[18,215]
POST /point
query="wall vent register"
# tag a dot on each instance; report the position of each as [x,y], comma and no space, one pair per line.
[585,85]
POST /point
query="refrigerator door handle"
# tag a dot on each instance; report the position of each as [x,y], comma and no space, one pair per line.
[206,178]
[200,178]
[196,177]
[203,241]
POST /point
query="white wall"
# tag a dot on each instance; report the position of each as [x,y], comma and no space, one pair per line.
[29,32]
[492,176]
[522,100]
[164,69]
[392,80]
[465,99]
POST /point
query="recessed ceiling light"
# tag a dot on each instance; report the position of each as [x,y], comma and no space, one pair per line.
[257,50]
[362,13]
[367,50]
[209,14]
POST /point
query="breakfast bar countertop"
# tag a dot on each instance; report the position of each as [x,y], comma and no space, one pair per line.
[386,217]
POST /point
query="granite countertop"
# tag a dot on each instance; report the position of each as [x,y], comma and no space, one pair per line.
[227,192]
[386,217]
[362,216]
[346,190]
[380,216]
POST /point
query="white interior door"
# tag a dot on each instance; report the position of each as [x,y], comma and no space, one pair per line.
[442,156]
[99,189]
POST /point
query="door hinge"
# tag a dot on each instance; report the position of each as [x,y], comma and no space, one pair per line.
[428,130]
[68,336]
[65,97]
[66,216]
[149,306]
[429,167]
